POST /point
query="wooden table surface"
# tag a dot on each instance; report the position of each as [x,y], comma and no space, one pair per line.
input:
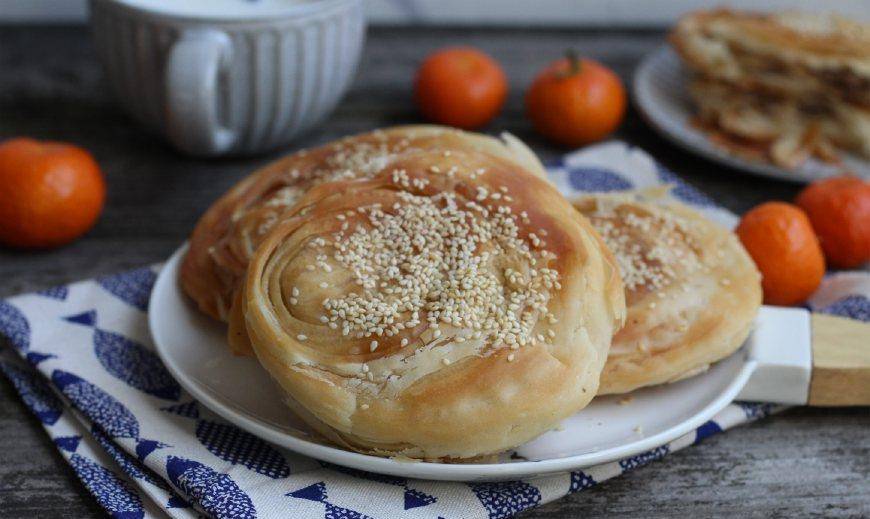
[802,462]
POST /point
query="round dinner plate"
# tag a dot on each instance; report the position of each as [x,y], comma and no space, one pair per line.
[661,96]
[193,348]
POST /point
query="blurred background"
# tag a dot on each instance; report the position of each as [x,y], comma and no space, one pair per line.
[568,13]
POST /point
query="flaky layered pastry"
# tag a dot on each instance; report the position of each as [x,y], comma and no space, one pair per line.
[692,291]
[226,236]
[784,131]
[448,303]
[792,54]
[780,87]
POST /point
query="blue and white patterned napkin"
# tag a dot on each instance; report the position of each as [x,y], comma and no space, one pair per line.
[83,362]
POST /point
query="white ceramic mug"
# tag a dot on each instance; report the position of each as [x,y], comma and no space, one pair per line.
[228,76]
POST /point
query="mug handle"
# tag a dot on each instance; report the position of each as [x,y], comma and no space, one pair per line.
[192,92]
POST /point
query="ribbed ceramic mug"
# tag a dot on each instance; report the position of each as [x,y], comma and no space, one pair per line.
[228,76]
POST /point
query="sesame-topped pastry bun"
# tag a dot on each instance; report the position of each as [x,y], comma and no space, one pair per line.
[692,291]
[228,233]
[450,305]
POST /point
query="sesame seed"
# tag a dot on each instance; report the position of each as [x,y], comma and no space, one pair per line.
[420,261]
[364,407]
[445,361]
[301,337]
[324,284]
[510,357]
[404,341]
[650,243]
[373,346]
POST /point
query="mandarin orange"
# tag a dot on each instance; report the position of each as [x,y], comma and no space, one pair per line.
[781,241]
[50,193]
[576,101]
[839,209]
[461,87]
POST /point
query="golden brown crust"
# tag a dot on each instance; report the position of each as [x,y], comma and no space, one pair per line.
[524,316]
[692,292]
[226,236]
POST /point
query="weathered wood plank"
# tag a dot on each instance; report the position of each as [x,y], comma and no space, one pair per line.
[35,481]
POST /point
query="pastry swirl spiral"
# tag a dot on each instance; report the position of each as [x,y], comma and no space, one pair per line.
[692,291]
[447,304]
[226,236]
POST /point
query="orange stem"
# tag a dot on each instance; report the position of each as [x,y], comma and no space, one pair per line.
[573,64]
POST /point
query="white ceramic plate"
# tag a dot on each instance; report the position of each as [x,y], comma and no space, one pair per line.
[193,347]
[660,95]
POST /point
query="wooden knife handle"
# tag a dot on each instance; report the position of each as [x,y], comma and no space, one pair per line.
[841,361]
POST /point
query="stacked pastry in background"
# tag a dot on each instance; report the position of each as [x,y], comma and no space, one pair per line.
[779,87]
